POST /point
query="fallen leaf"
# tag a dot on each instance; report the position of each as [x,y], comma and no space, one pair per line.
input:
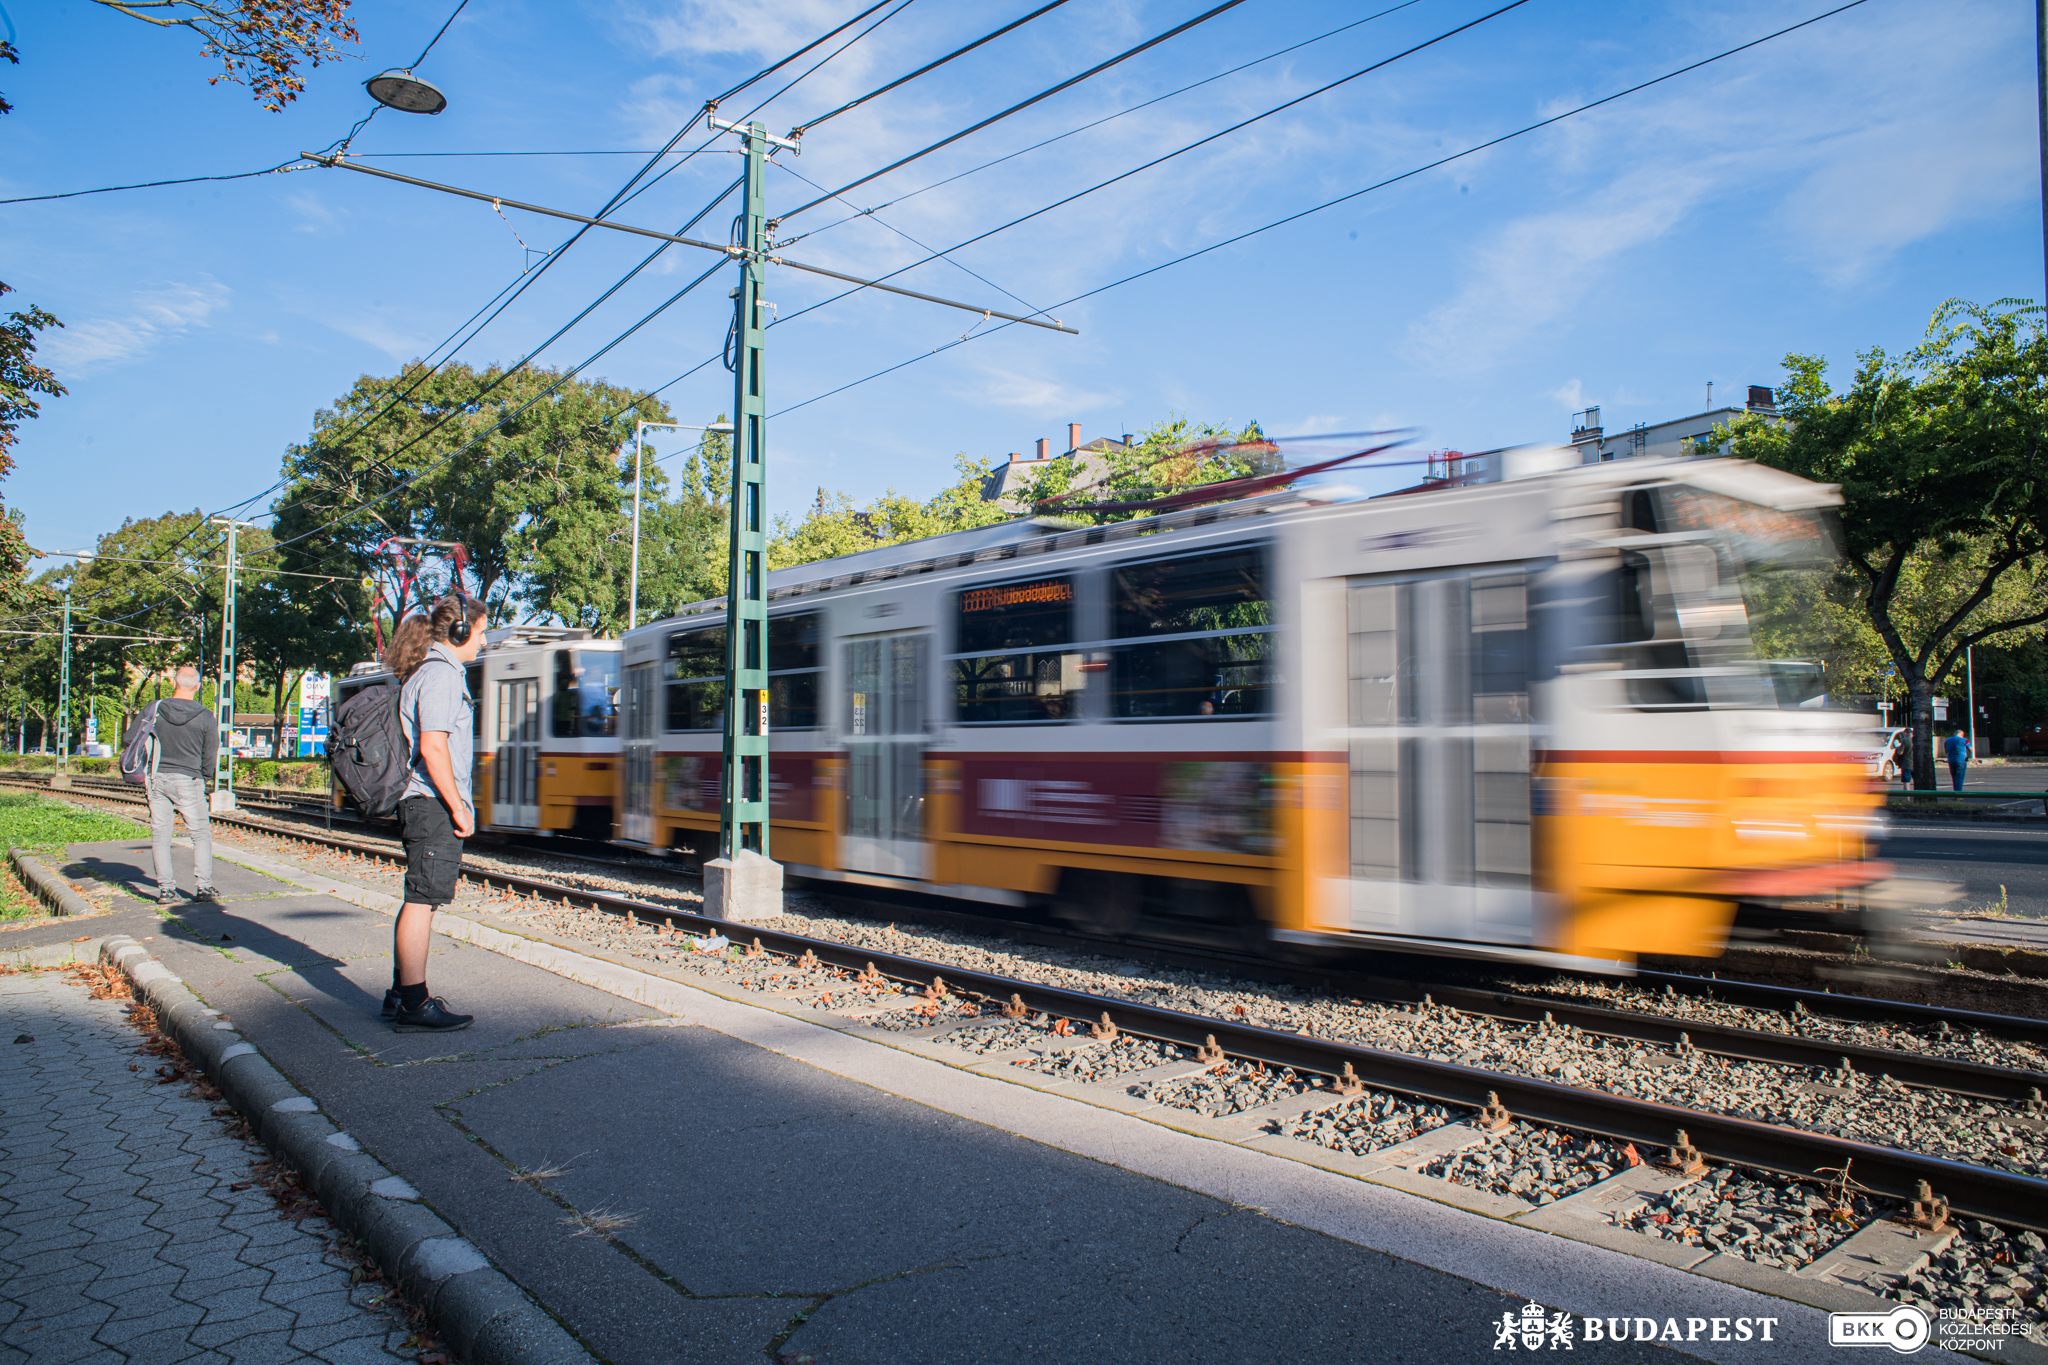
[85,938]
[1634,1157]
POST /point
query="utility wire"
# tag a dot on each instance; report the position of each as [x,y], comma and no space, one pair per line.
[920,245]
[294,164]
[1071,132]
[1180,151]
[621,197]
[1341,199]
[1071,81]
[927,68]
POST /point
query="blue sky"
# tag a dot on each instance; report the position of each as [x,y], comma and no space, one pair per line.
[1822,193]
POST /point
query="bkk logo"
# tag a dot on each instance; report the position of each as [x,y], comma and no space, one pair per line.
[1905,1329]
[1533,1330]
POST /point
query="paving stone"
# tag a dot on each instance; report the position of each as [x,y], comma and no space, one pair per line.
[123,1241]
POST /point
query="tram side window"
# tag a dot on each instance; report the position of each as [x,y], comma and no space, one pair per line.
[695,674]
[586,693]
[795,666]
[1216,654]
[1013,662]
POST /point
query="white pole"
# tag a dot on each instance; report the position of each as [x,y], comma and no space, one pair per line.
[633,592]
[1970,687]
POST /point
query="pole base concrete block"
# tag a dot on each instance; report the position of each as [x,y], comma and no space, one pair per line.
[60,782]
[221,802]
[745,887]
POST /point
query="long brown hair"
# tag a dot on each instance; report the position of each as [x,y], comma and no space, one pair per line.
[418,634]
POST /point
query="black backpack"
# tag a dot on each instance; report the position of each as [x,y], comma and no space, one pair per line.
[368,750]
[140,751]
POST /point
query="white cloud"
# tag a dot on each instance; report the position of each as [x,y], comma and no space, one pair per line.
[1034,394]
[1570,396]
[157,314]
[1541,266]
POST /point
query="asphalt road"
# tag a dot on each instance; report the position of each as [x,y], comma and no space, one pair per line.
[1982,859]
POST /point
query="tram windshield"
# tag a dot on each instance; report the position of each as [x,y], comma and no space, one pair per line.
[586,693]
[1718,602]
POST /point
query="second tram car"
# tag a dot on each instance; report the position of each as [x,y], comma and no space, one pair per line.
[1521,719]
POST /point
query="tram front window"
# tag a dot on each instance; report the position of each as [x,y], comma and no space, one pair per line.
[586,693]
[1720,603]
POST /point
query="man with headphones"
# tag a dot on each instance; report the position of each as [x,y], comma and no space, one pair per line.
[438,810]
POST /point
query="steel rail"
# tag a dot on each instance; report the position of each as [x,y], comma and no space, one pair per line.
[1975,1079]
[1973,1191]
[1866,1008]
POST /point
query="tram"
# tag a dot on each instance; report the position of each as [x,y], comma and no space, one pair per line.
[546,729]
[1519,717]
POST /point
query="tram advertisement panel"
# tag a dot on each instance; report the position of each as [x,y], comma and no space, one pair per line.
[1198,804]
[691,782]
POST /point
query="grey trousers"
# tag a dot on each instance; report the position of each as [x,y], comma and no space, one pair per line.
[172,795]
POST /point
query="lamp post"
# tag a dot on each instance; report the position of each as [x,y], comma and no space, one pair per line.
[639,431]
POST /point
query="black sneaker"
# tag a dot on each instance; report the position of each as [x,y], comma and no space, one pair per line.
[167,895]
[390,1005]
[432,1017]
[206,895]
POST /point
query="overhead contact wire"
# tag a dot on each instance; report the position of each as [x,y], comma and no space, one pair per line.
[1069,83]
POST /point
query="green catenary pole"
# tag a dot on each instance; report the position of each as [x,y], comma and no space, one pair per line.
[64,689]
[743,799]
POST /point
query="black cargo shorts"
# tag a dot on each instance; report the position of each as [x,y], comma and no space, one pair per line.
[433,853]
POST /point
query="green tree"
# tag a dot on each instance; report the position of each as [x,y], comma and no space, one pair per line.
[522,469]
[1938,453]
[1168,457]
[21,379]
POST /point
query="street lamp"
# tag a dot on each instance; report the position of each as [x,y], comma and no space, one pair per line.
[401,90]
[639,430]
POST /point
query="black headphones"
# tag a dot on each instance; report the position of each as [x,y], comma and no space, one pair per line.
[459,628]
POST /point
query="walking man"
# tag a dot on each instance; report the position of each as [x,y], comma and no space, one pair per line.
[437,812]
[187,744]
[1956,748]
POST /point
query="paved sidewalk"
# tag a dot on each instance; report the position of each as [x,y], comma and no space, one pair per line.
[681,1190]
[130,1225]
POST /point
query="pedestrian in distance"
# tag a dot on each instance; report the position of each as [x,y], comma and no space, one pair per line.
[1956,749]
[430,655]
[183,739]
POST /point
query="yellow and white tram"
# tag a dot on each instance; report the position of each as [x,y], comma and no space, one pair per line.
[1520,718]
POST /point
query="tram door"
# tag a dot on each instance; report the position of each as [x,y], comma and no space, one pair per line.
[515,795]
[883,712]
[636,824]
[1439,756]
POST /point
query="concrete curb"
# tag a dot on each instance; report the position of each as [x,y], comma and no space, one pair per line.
[482,1314]
[51,889]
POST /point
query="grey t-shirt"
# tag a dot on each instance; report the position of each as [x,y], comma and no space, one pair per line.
[436,697]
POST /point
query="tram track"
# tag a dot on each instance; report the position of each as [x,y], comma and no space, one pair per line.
[1974,1190]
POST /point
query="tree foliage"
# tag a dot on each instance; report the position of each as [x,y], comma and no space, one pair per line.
[259,43]
[1938,453]
[21,379]
[835,526]
[1168,457]
[524,469]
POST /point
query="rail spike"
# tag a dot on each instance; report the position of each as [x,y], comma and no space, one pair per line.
[755,949]
[1103,1031]
[1348,1084]
[870,977]
[1925,1212]
[1016,1009]
[1493,1116]
[1209,1051]
[938,990]
[1683,1158]
[808,961]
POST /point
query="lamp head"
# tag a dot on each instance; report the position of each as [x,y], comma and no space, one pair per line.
[405,92]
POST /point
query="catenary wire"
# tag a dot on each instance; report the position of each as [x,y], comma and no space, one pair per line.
[617,199]
[1071,81]
[1095,123]
[1181,151]
[1341,199]
[926,69]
